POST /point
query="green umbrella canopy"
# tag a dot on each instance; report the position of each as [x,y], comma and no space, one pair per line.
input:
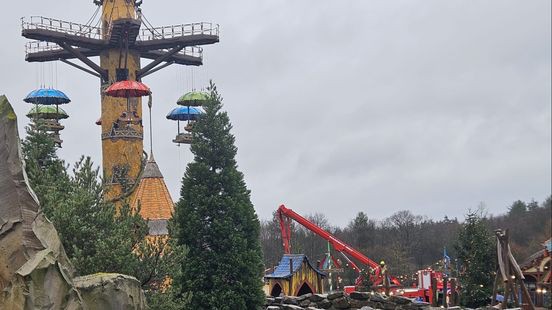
[47,112]
[193,98]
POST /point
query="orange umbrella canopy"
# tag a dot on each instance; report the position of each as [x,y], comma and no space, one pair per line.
[128,89]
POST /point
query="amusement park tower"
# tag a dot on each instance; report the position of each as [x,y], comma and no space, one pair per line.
[121,39]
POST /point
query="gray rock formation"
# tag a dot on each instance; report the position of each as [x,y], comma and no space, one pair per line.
[110,291]
[338,300]
[35,272]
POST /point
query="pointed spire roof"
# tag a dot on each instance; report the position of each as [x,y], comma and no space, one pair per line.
[152,194]
[151,170]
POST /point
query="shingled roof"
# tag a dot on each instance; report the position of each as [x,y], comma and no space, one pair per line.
[156,204]
[283,269]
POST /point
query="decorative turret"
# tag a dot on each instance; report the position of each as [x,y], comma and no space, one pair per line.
[152,195]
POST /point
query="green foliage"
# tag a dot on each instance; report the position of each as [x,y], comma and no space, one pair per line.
[216,221]
[46,172]
[97,236]
[518,208]
[475,248]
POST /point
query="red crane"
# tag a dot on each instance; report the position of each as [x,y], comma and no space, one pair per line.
[285,215]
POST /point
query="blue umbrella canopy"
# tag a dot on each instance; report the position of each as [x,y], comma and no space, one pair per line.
[47,96]
[184,114]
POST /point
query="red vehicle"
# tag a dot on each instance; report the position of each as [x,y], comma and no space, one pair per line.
[422,290]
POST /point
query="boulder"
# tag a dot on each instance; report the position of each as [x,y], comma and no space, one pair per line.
[110,291]
[360,295]
[335,295]
[400,300]
[340,303]
[355,303]
[377,297]
[304,303]
[292,307]
[317,297]
[290,300]
[324,304]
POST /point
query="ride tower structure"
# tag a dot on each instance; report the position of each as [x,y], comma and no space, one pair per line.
[121,39]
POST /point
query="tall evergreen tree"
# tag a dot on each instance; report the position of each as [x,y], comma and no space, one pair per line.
[476,252]
[216,221]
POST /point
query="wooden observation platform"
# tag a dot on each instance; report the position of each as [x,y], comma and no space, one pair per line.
[122,38]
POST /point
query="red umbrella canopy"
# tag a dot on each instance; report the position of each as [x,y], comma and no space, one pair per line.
[128,89]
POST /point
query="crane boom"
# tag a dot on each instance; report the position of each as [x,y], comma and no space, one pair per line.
[337,244]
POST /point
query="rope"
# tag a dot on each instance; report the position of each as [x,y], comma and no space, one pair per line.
[93,16]
[150,28]
[193,87]
[89,22]
[150,103]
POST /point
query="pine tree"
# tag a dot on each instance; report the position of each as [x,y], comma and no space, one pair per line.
[475,248]
[46,172]
[216,221]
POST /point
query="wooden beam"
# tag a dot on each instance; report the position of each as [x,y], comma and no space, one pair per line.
[80,67]
[88,62]
[159,60]
[139,76]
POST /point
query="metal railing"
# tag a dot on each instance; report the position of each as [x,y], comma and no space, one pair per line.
[164,32]
[40,22]
[194,51]
[175,31]
[40,46]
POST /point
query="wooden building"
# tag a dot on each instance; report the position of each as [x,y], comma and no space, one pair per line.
[537,270]
[295,276]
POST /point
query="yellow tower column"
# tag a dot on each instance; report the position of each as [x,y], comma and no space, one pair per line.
[121,154]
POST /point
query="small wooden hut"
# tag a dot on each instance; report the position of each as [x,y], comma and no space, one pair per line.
[295,276]
[537,270]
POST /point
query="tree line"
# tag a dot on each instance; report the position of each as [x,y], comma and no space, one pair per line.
[408,242]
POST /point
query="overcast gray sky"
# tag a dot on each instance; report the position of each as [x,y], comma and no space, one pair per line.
[343,106]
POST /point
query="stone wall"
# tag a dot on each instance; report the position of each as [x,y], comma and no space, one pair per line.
[338,300]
